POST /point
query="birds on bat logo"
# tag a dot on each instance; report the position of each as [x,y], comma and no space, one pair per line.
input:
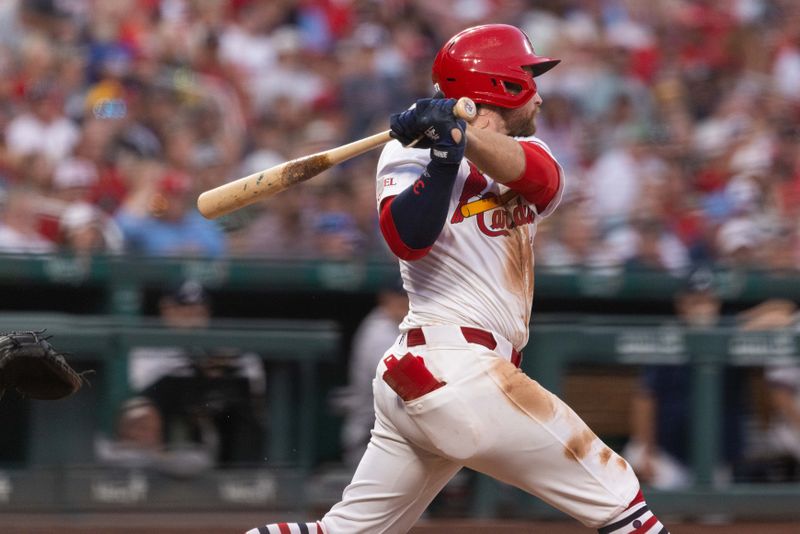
[493,213]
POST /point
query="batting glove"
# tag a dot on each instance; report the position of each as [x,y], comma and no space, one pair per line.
[412,124]
[407,128]
[445,148]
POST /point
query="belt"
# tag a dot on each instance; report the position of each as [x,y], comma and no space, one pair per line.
[444,334]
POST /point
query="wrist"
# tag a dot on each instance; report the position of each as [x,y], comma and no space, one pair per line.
[440,169]
[447,154]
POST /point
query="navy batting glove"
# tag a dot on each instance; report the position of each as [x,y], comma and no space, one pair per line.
[407,126]
[445,148]
[428,118]
[444,131]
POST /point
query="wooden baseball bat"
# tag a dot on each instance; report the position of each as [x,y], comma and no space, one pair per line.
[263,184]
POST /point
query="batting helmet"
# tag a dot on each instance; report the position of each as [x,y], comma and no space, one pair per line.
[485,63]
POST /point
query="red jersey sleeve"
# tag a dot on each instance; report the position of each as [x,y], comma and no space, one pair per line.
[539,181]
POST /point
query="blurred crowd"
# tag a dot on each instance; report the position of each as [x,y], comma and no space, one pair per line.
[677,123]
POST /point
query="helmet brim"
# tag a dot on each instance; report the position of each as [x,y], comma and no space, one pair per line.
[540,67]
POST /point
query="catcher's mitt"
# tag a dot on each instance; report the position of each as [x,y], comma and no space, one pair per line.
[30,364]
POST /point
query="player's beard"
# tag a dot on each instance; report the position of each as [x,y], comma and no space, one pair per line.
[520,122]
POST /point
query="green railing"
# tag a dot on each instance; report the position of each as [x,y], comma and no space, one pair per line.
[88,488]
[123,278]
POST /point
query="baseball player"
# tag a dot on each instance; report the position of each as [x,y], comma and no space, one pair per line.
[460,210]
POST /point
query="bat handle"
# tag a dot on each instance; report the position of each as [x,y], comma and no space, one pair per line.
[464,109]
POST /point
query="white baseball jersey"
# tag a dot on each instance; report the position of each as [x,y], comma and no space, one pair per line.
[480,270]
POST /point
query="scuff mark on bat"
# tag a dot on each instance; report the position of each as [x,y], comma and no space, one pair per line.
[260,177]
[245,187]
[525,393]
[304,168]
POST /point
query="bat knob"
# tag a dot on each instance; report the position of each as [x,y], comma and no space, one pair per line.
[465,109]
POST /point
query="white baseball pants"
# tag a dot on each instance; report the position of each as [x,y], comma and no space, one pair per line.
[490,417]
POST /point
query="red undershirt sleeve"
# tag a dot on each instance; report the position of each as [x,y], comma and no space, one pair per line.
[540,180]
[392,237]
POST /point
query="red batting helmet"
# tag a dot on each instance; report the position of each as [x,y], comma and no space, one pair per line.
[485,64]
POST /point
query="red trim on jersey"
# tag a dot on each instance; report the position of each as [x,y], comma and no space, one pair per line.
[646,526]
[284,528]
[392,237]
[319,528]
[539,181]
[636,500]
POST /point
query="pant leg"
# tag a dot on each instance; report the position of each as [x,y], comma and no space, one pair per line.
[393,484]
[493,418]
[544,448]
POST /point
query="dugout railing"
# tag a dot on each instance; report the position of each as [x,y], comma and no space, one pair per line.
[115,284]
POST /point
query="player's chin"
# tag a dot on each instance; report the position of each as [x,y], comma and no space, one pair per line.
[532,123]
[524,130]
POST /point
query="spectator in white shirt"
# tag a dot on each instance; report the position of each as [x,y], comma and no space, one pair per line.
[43,129]
[18,232]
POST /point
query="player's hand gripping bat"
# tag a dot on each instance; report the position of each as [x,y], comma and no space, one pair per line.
[263,184]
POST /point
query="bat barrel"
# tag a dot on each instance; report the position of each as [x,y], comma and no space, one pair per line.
[219,201]
[240,193]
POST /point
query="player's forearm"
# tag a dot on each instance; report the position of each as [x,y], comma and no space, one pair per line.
[495,154]
[537,176]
